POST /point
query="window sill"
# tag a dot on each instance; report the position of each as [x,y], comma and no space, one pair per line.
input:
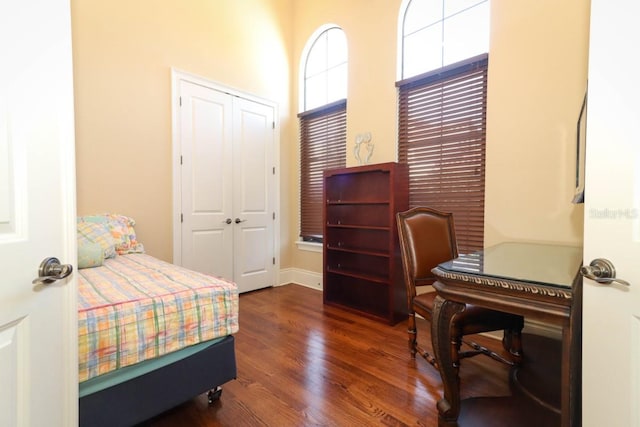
[309,246]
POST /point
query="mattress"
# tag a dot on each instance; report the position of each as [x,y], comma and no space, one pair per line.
[136,307]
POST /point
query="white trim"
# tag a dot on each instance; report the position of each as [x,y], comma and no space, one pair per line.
[313,280]
[66,121]
[532,327]
[540,328]
[400,27]
[307,278]
[634,370]
[176,77]
[70,255]
[309,246]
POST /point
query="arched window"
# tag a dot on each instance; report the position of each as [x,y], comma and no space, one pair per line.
[443,64]
[324,68]
[323,121]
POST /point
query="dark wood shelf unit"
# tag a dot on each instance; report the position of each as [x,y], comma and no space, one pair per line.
[370,202]
[362,227]
[358,251]
[362,266]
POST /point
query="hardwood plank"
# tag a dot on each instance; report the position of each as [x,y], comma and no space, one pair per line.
[301,363]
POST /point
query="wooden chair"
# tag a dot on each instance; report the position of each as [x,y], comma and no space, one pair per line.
[427,238]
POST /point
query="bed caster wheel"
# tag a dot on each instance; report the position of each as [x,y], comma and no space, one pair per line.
[213,395]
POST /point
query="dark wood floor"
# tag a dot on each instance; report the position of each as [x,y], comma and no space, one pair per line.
[304,364]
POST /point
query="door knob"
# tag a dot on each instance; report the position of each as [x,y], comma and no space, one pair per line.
[51,270]
[602,271]
[227,221]
[238,220]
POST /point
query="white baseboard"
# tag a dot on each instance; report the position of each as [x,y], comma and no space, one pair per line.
[307,278]
[544,329]
[313,280]
[532,327]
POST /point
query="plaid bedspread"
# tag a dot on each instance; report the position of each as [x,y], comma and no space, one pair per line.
[135,307]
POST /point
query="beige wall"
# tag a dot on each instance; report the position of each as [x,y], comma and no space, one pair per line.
[537,80]
[123,52]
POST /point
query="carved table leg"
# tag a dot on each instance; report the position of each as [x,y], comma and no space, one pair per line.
[446,340]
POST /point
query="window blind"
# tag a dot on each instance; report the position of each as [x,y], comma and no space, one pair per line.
[323,139]
[442,136]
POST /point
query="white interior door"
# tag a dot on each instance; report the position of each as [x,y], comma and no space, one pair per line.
[611,317]
[38,323]
[227,185]
[206,183]
[254,183]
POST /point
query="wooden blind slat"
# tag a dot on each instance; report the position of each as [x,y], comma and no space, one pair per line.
[323,138]
[442,137]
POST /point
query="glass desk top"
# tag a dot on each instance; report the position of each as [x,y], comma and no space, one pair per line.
[545,264]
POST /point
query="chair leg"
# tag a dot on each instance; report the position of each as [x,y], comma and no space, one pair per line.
[414,347]
[428,357]
[411,329]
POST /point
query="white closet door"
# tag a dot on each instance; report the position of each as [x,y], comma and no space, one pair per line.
[254,183]
[227,186]
[206,178]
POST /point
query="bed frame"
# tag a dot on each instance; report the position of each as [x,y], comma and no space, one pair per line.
[143,397]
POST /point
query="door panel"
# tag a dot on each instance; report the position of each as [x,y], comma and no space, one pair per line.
[206,180]
[38,323]
[253,190]
[12,352]
[254,262]
[611,313]
[253,136]
[205,247]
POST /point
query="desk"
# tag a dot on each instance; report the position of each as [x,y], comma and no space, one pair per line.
[537,281]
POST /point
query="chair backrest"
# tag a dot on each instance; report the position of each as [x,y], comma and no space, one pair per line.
[427,238]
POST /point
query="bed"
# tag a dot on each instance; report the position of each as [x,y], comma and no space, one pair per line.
[151,335]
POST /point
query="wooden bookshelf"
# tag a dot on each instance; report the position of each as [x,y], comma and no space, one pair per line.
[362,265]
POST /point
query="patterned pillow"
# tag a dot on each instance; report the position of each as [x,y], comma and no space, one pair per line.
[90,254]
[125,235]
[91,232]
[121,230]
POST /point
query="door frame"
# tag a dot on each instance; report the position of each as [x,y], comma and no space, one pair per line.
[70,253]
[178,76]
